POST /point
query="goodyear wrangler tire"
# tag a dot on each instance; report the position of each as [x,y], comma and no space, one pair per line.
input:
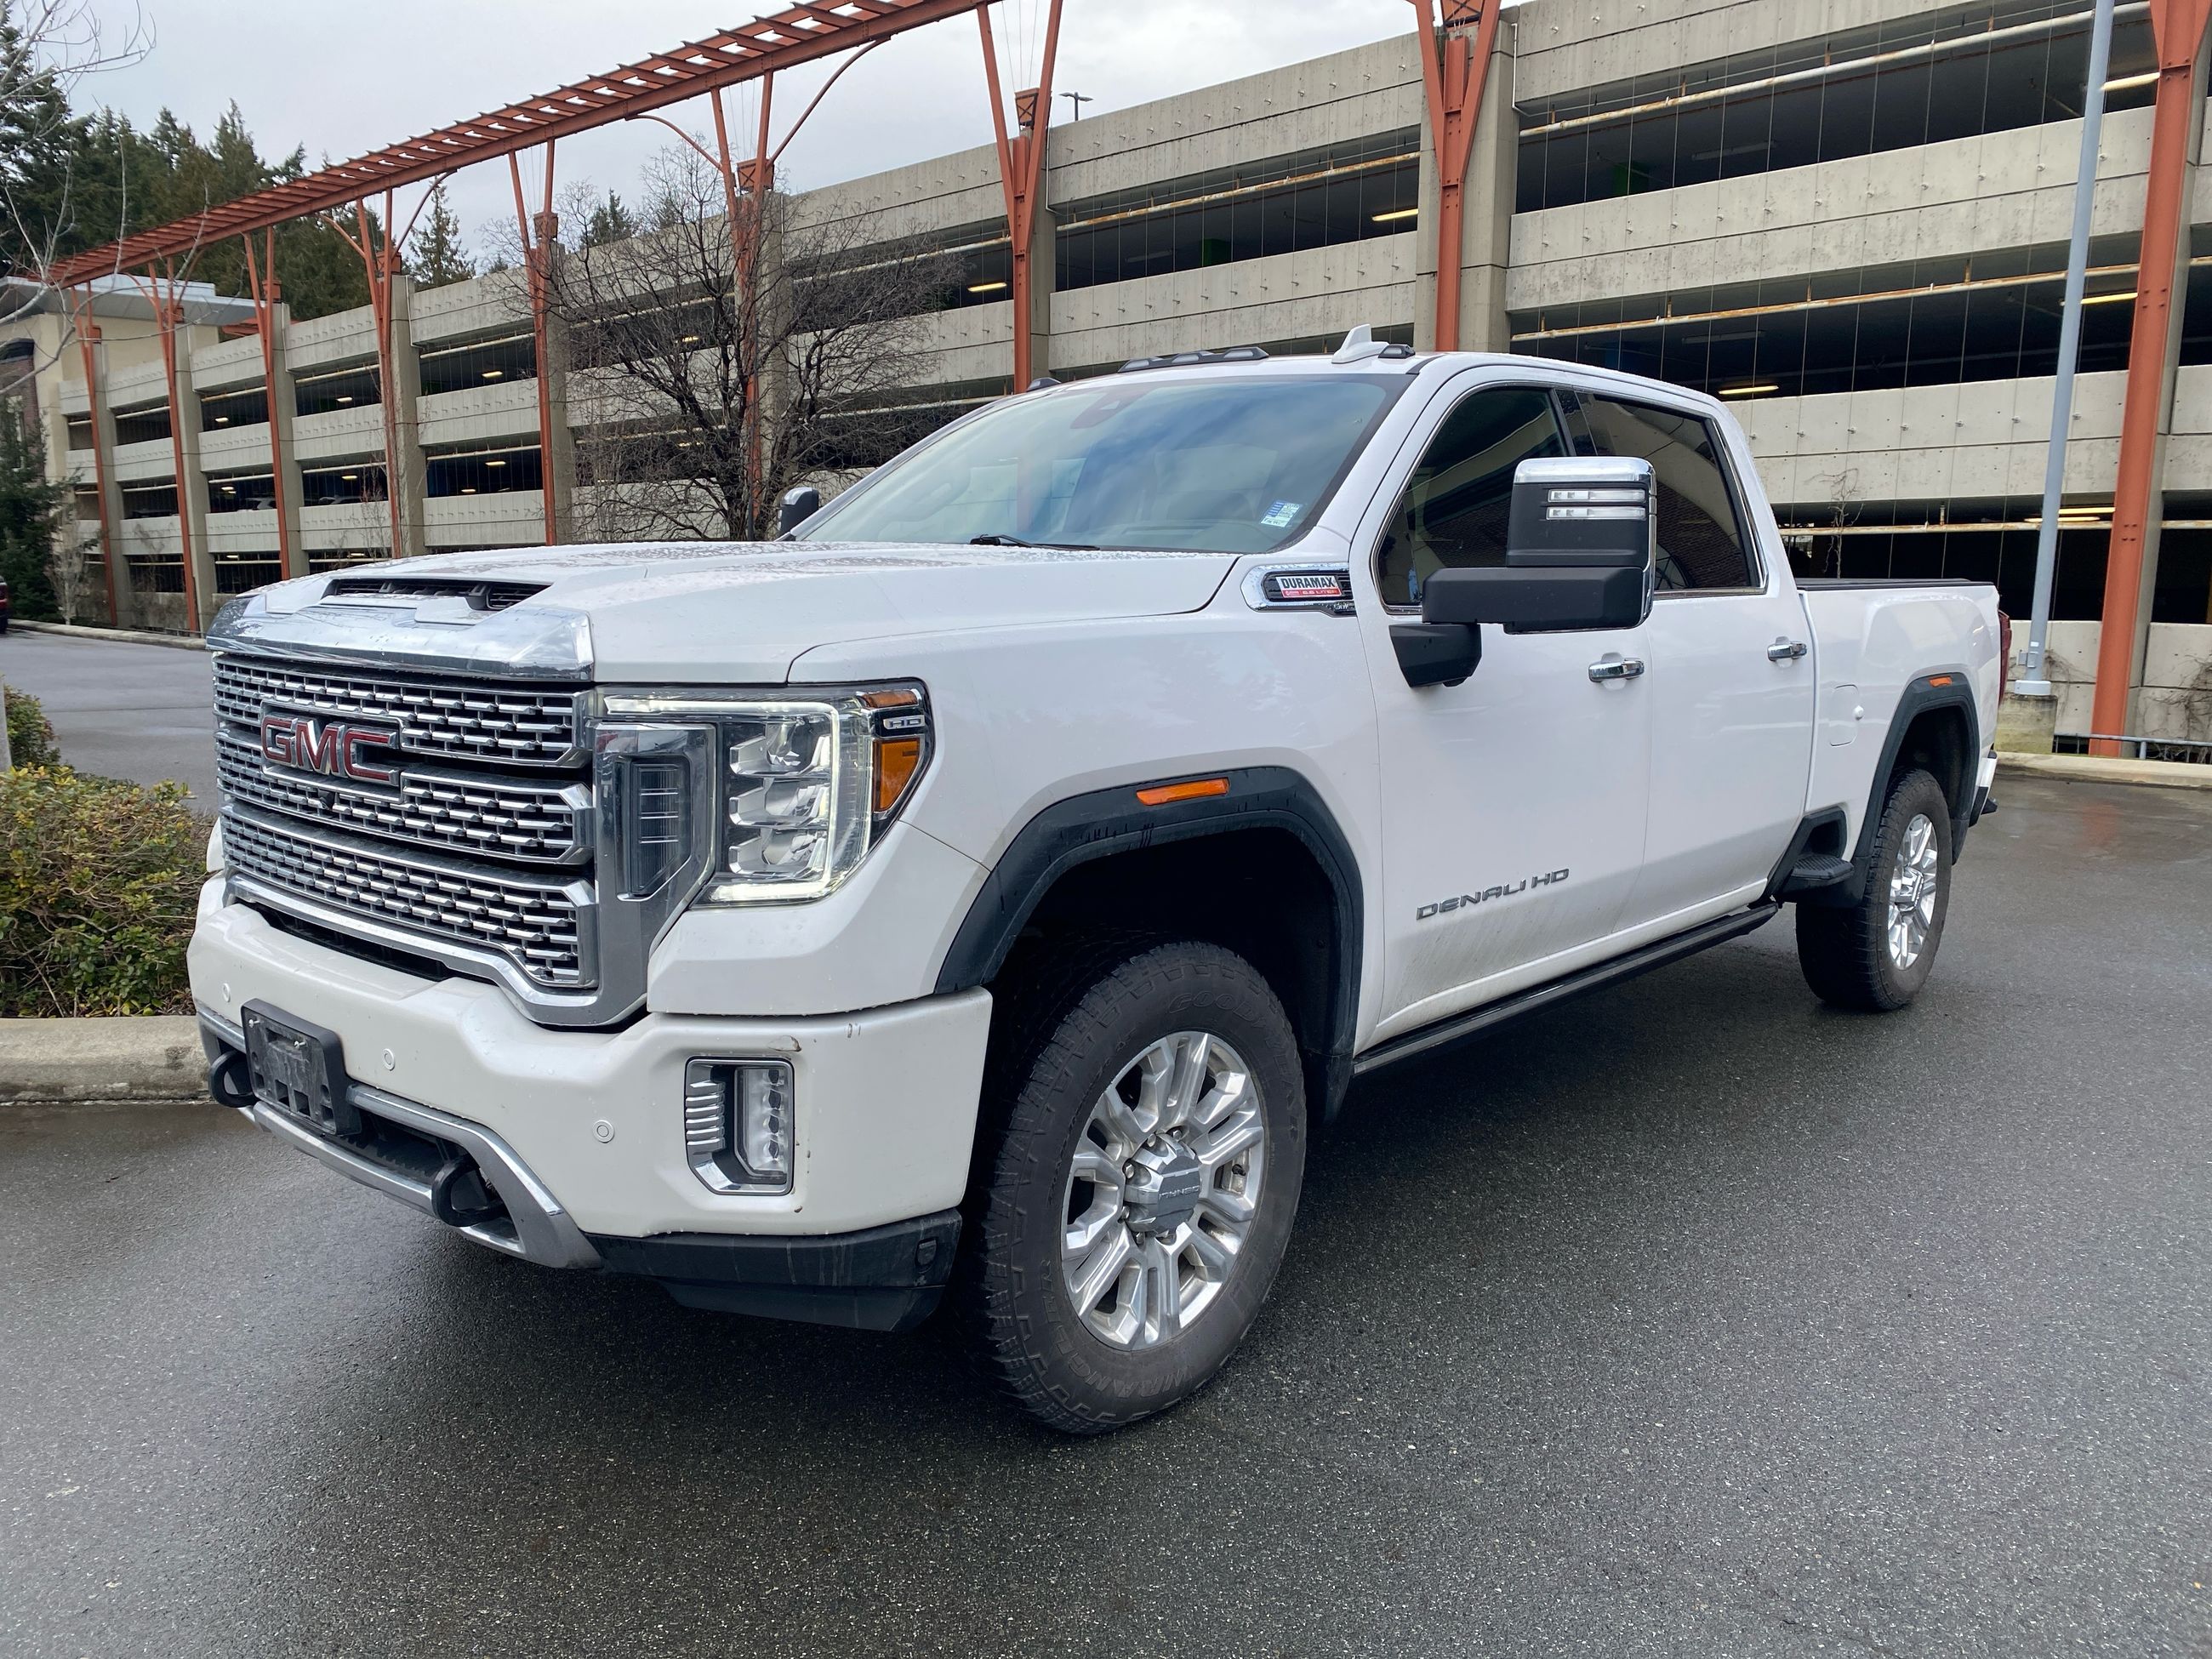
[1136,1205]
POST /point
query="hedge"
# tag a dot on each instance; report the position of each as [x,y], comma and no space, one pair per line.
[98,884]
[30,739]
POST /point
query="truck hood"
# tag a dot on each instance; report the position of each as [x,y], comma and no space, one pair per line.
[707,612]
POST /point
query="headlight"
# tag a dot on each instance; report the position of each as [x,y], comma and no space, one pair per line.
[805,781]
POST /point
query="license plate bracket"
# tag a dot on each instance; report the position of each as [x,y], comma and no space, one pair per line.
[299,1069]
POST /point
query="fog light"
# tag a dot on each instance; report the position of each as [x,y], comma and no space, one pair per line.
[738,1124]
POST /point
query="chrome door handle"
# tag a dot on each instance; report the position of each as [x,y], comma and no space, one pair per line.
[1616,668]
[1785,650]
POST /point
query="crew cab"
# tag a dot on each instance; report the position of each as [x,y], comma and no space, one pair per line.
[992,885]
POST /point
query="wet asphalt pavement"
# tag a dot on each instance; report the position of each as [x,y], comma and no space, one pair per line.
[141,712]
[1691,1319]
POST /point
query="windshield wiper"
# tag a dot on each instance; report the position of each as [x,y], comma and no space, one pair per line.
[1016,541]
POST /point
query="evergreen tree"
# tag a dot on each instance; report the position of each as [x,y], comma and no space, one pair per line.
[610,221]
[30,514]
[440,255]
[38,138]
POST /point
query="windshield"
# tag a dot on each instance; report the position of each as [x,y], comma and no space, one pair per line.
[1211,465]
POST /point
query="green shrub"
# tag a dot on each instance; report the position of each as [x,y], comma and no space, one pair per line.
[30,739]
[99,881]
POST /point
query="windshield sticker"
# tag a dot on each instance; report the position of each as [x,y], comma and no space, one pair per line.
[1281,514]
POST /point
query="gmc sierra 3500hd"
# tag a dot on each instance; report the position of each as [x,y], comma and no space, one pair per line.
[991,883]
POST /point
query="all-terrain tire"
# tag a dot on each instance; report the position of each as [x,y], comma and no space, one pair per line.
[1071,1038]
[1856,957]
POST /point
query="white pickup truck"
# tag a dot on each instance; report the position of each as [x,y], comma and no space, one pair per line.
[994,885]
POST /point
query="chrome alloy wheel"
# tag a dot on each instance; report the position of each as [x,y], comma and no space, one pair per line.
[1162,1190]
[1913,883]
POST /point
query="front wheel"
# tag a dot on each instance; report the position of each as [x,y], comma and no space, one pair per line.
[1136,1208]
[1875,955]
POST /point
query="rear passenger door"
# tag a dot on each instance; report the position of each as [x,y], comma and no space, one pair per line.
[1730,680]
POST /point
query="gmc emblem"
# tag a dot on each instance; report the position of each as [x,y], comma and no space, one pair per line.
[332,748]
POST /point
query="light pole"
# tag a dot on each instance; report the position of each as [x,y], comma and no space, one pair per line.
[2035,680]
[1078,100]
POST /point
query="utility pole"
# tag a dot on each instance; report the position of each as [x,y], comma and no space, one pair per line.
[2035,679]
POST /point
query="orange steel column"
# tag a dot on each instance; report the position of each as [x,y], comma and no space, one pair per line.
[261,278]
[536,233]
[162,292]
[1454,67]
[88,337]
[1021,173]
[2178,26]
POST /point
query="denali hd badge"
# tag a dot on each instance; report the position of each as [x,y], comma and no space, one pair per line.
[1468,901]
[332,748]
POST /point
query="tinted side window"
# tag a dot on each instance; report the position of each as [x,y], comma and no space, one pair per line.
[1701,539]
[1455,509]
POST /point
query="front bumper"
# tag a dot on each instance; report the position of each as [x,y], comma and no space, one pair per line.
[581,1132]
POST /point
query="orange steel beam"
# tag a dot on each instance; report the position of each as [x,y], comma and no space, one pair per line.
[1021,169]
[1454,67]
[2179,27]
[261,278]
[799,34]
[87,338]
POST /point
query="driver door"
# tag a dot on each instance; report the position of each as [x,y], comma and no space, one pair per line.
[1514,804]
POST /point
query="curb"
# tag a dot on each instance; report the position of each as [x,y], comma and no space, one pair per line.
[69,1062]
[120,636]
[2094,768]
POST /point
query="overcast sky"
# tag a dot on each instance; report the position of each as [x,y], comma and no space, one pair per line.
[345,78]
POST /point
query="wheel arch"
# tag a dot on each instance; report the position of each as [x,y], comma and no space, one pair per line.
[1935,727]
[1105,860]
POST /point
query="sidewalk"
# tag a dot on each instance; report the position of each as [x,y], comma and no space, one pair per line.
[74,1061]
[2091,768]
[121,636]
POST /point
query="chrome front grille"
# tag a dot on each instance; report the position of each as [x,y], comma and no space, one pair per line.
[538,924]
[451,815]
[500,724]
[527,819]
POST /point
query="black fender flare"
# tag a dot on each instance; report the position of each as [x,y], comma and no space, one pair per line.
[1941,688]
[1105,821]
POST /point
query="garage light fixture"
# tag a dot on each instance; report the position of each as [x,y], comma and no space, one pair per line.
[2130,82]
[346,399]
[1759,391]
[1396,214]
[985,287]
[494,373]
[2106,299]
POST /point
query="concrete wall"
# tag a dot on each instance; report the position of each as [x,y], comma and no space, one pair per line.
[1566,45]
[1965,196]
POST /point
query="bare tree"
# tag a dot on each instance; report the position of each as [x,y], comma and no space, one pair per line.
[712,372]
[47,47]
[69,568]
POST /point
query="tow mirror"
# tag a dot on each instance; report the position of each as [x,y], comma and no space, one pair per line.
[1579,547]
[797,506]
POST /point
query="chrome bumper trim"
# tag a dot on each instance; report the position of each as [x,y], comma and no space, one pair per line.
[544,1232]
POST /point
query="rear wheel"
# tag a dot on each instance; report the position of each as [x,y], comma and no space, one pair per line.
[1136,1206]
[1875,955]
